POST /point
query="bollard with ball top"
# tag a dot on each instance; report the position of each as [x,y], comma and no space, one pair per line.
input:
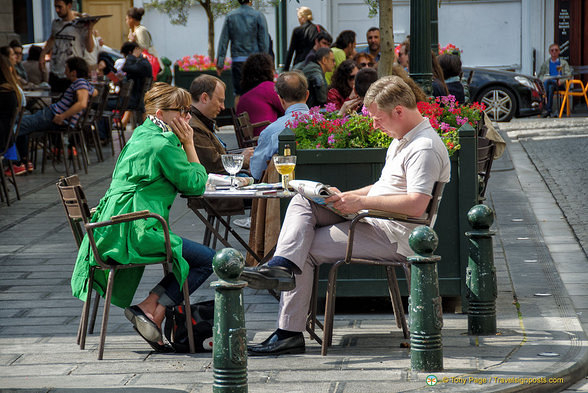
[424,303]
[481,288]
[229,335]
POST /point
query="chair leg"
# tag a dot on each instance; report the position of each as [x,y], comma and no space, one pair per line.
[396,299]
[330,307]
[311,320]
[83,146]
[94,313]
[207,232]
[105,314]
[63,151]
[3,181]
[392,283]
[189,318]
[86,309]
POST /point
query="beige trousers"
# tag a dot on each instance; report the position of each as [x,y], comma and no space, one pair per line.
[313,235]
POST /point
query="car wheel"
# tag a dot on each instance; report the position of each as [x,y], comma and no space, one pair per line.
[500,103]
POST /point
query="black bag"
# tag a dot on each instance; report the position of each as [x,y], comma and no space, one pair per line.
[202,323]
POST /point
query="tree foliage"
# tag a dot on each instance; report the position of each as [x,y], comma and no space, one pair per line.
[179,10]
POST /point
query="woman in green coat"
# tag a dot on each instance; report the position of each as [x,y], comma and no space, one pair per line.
[157,162]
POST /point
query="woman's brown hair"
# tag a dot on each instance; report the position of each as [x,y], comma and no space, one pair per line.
[163,96]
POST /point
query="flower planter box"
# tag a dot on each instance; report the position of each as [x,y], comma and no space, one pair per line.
[349,169]
[184,79]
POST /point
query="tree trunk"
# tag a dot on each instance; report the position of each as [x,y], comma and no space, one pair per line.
[208,8]
[387,56]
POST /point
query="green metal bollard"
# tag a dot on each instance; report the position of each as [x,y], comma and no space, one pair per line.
[424,303]
[481,274]
[229,336]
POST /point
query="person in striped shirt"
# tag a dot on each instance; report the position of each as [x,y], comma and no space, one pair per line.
[65,112]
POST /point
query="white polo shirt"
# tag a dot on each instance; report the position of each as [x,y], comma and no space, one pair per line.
[413,164]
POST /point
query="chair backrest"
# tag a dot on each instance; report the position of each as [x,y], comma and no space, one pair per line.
[124,95]
[433,207]
[244,131]
[486,150]
[96,104]
[75,205]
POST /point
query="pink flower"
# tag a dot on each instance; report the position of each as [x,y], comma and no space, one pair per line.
[364,111]
[331,139]
[330,107]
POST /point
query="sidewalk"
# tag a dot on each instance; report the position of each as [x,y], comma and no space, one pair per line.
[540,309]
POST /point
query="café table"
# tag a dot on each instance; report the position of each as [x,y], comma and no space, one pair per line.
[40,98]
[250,192]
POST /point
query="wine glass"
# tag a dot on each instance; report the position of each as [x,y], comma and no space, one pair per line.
[285,166]
[233,164]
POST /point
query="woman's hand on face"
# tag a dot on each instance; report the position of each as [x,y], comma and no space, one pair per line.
[183,131]
[350,106]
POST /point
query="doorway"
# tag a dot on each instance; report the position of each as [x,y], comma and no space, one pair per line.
[113,30]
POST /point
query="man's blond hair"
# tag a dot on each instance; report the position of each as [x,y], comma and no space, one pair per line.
[389,92]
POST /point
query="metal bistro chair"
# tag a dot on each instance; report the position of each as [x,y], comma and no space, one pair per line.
[574,88]
[16,117]
[393,289]
[244,130]
[486,150]
[116,116]
[76,138]
[95,108]
[78,213]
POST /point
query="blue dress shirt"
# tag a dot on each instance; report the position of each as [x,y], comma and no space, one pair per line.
[267,145]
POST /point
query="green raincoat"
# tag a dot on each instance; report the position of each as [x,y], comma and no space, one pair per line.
[150,171]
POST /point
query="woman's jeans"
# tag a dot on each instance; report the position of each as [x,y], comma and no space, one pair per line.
[199,258]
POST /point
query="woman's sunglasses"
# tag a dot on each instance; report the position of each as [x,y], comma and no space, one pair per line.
[183,110]
[362,65]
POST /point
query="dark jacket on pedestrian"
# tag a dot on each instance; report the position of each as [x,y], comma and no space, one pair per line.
[317,84]
[301,43]
[138,69]
[246,29]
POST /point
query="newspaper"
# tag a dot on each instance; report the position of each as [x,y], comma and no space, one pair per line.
[317,193]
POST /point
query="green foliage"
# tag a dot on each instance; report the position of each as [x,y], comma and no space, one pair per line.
[179,10]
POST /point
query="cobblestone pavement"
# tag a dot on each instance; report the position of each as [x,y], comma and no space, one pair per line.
[561,161]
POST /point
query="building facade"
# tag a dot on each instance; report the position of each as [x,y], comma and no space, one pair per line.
[503,34]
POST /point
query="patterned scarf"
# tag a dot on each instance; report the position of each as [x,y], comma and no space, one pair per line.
[160,123]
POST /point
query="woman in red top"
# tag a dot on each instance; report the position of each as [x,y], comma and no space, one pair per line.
[259,98]
[342,83]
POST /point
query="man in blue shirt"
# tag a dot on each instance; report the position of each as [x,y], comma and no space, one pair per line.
[552,72]
[373,40]
[292,89]
[246,29]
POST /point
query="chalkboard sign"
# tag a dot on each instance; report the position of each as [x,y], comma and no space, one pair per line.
[563,28]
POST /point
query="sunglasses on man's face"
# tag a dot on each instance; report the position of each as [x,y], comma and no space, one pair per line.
[363,65]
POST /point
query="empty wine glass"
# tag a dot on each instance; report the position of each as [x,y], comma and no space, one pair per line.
[285,166]
[233,164]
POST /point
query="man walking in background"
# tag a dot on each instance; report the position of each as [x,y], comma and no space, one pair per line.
[246,30]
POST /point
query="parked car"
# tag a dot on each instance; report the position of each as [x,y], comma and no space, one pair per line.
[113,53]
[505,94]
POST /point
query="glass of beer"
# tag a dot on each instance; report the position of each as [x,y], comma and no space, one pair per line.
[285,166]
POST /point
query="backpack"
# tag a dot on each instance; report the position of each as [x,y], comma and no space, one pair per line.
[202,323]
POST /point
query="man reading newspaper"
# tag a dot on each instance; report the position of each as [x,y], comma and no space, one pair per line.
[312,234]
